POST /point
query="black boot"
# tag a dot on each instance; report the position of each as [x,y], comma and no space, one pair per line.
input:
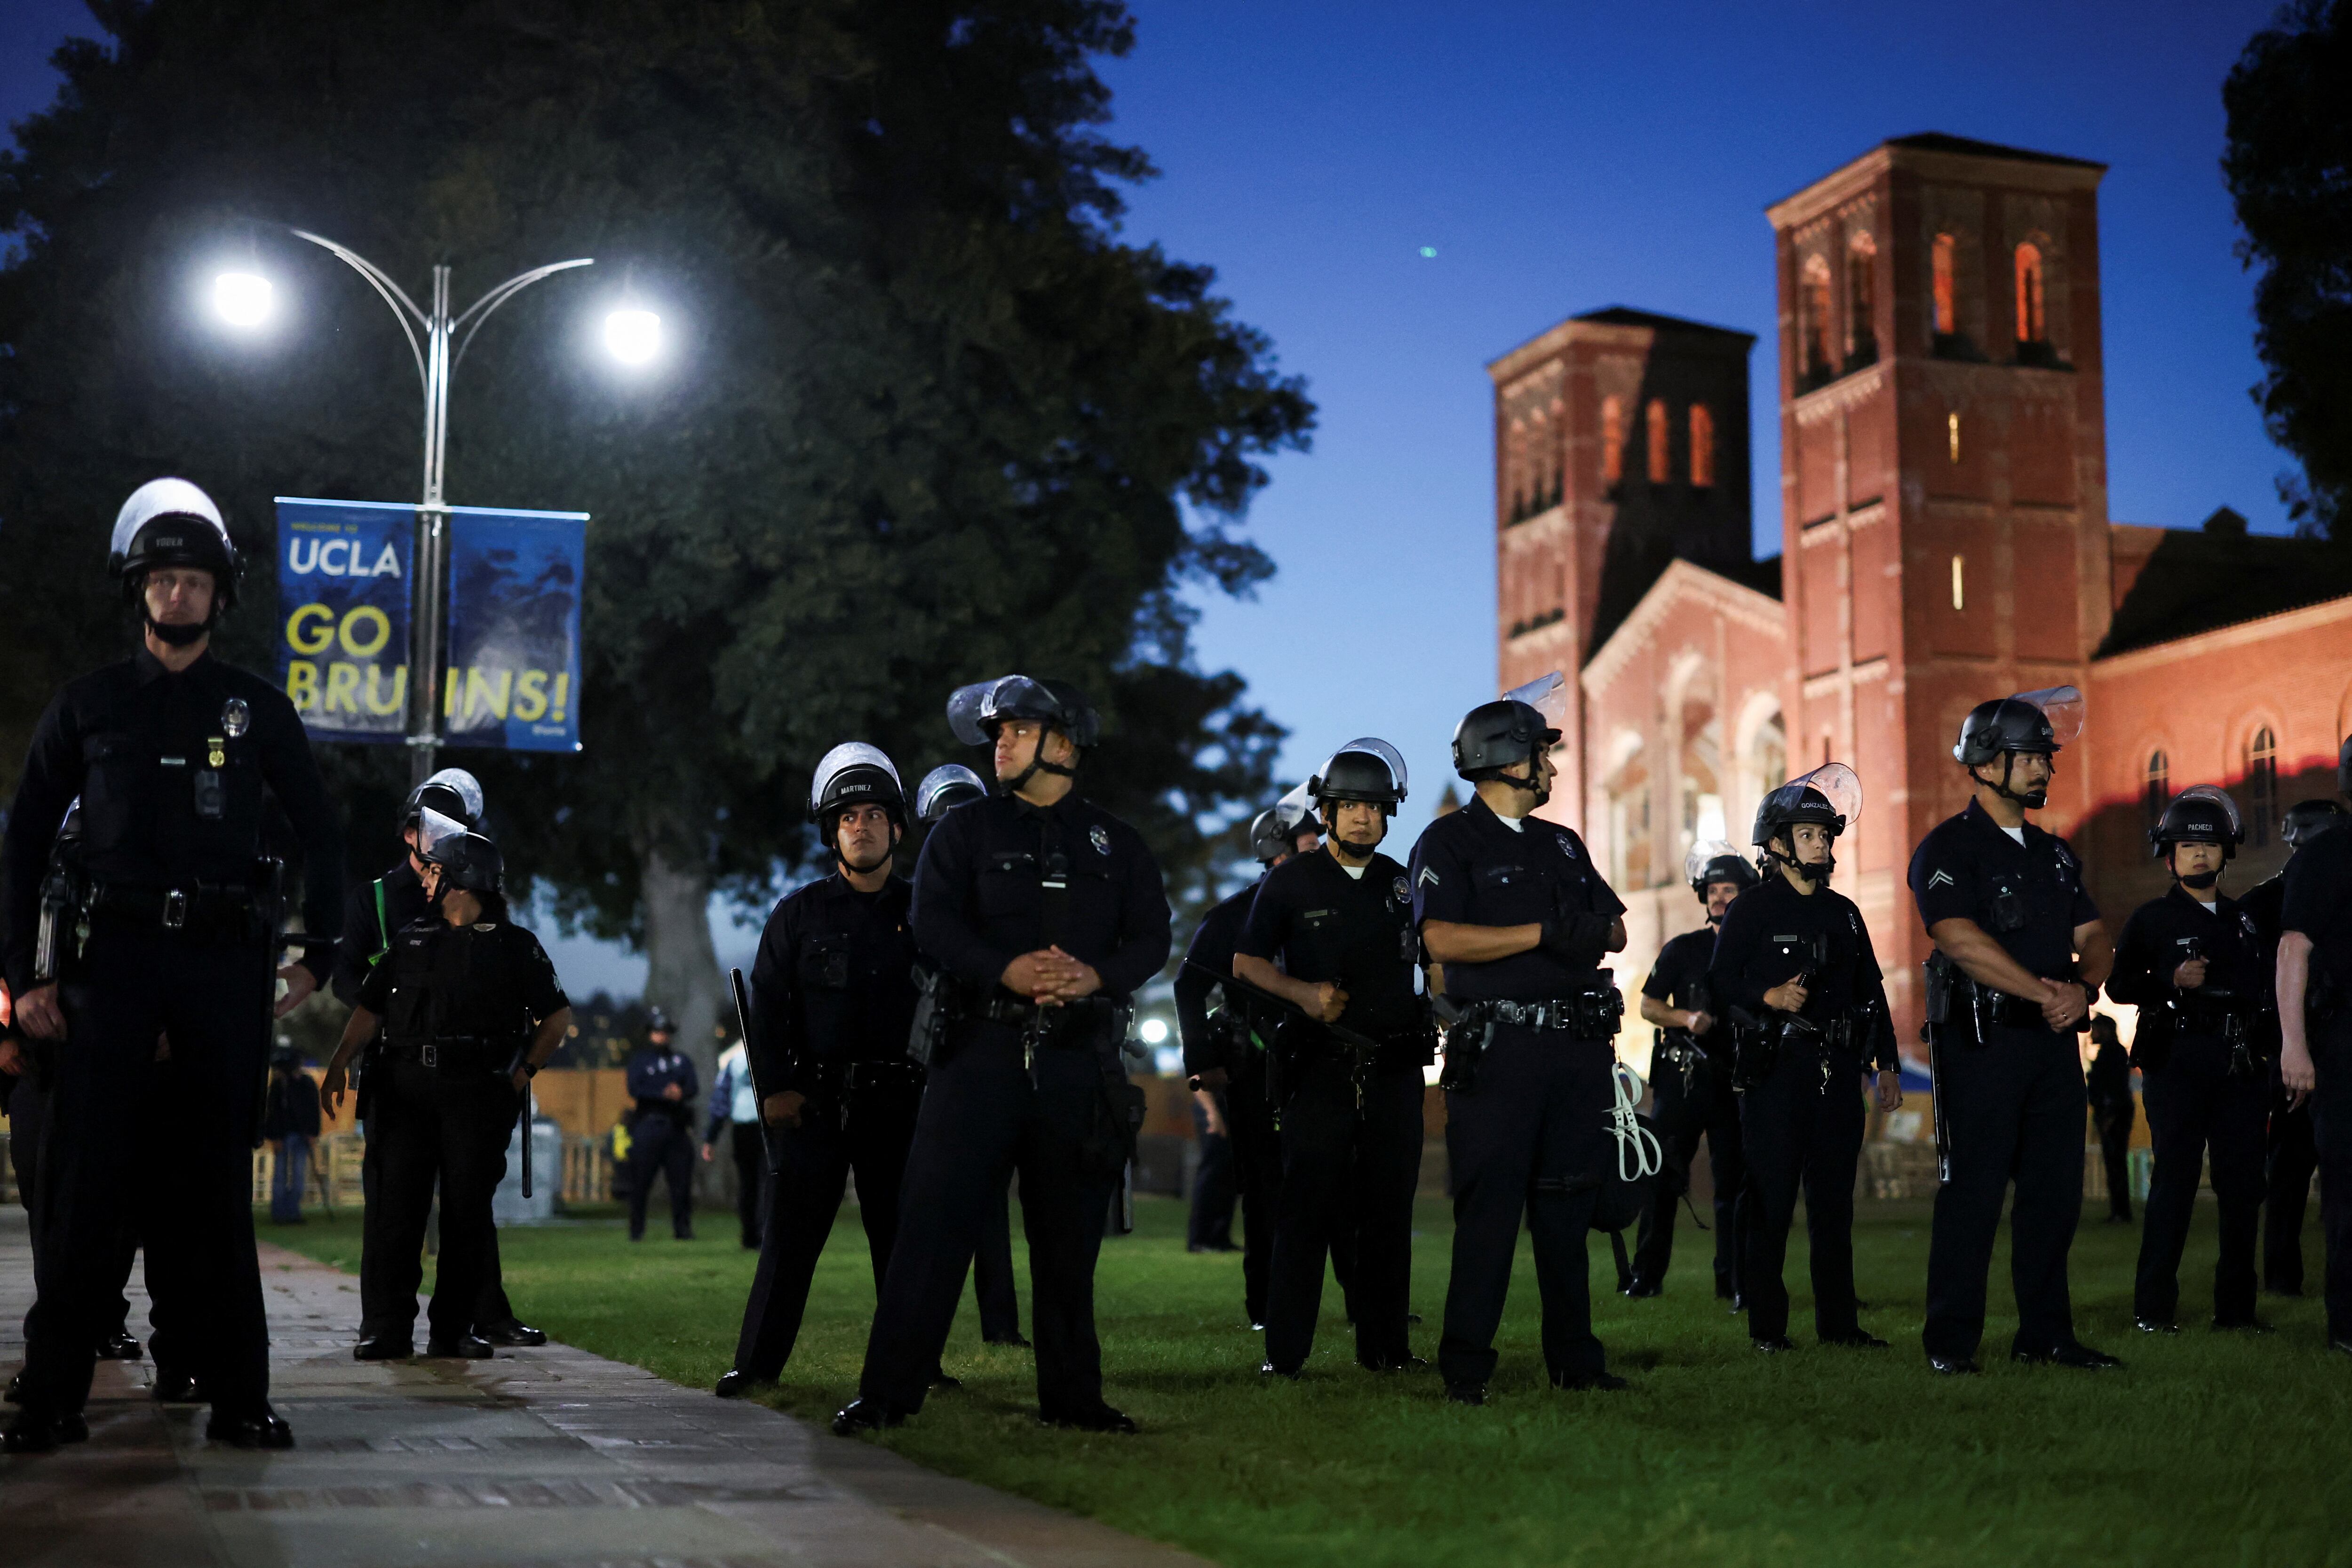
[257,1426]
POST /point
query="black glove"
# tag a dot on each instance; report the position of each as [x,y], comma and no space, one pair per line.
[1579,940]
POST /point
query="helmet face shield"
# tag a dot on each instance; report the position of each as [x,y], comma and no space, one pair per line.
[945,788]
[2306,820]
[435,830]
[1548,694]
[2063,707]
[1368,768]
[1830,795]
[2201,814]
[975,711]
[453,791]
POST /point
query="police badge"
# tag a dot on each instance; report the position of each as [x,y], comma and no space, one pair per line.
[1099,839]
[236,717]
[1404,891]
[1567,846]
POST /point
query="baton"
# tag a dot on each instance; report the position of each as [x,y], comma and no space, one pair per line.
[751,1064]
[527,1139]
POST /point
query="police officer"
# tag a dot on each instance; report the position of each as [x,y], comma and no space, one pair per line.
[1514,909]
[173,756]
[469,1010]
[377,911]
[1693,1089]
[662,1081]
[1046,913]
[2315,1003]
[2191,962]
[2288,1154]
[833,996]
[2113,1112]
[1224,1054]
[943,789]
[1340,923]
[1797,981]
[2020,955]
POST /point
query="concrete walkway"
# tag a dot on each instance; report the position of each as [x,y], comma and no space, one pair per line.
[542,1458]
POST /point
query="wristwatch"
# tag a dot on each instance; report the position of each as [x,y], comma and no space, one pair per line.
[529,1068]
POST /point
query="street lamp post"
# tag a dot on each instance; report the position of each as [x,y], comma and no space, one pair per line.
[436,361]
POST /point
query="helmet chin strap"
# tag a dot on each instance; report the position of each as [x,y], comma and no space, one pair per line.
[1817,871]
[1037,764]
[2034,801]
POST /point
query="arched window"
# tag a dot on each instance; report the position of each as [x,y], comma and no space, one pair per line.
[1655,416]
[2031,326]
[1702,439]
[1860,302]
[2158,794]
[2262,786]
[1814,365]
[1612,440]
[1948,309]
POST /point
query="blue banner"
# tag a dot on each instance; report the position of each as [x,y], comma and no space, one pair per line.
[343,572]
[514,628]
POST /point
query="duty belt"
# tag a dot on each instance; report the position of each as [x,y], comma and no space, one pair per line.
[1588,1015]
[850,1077]
[430,1051]
[203,907]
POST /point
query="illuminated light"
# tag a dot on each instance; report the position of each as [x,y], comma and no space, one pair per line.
[1154,1030]
[243,298]
[632,337]
[1429,253]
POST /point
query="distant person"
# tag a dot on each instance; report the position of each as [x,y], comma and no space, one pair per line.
[2113,1111]
[735,1109]
[1209,1223]
[290,1125]
[2314,1000]
[662,1082]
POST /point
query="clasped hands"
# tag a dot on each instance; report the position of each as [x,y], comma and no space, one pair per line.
[1051,978]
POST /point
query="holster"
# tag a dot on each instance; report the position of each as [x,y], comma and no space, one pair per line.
[936,999]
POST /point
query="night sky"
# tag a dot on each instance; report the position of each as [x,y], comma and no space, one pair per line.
[1556,158]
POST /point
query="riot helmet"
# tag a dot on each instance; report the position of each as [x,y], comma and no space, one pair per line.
[945,788]
[170,522]
[1274,832]
[976,712]
[1711,860]
[453,792]
[465,859]
[2039,723]
[2201,814]
[1367,768]
[1522,723]
[1830,796]
[658,1023]
[2306,820]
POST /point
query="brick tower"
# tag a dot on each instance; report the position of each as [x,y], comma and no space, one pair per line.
[1621,442]
[1943,478]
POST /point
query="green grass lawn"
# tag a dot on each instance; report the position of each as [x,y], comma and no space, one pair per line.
[2208,1448]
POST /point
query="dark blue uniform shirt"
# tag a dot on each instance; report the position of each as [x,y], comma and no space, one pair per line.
[1678,979]
[834,981]
[1471,869]
[655,1067]
[1355,930]
[367,939]
[1773,932]
[2028,898]
[980,902]
[136,743]
[2150,948]
[2318,903]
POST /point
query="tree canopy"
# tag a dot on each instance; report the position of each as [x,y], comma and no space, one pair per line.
[2289,167]
[926,417]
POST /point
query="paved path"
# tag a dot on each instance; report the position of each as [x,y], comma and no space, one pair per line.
[542,1458]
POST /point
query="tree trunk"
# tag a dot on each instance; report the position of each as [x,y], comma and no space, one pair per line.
[683,976]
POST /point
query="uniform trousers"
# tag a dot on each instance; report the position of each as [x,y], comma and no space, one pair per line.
[814,1161]
[2114,1123]
[1707,1108]
[661,1142]
[1344,1168]
[749,1153]
[983,1115]
[2194,1105]
[1803,1133]
[1251,1126]
[2289,1159]
[2013,1108]
[991,1274]
[1527,1141]
[2331,1128]
[445,1127]
[210,998]
[1209,1224]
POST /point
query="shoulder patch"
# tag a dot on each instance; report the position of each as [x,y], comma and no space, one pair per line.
[1099,837]
[1567,845]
